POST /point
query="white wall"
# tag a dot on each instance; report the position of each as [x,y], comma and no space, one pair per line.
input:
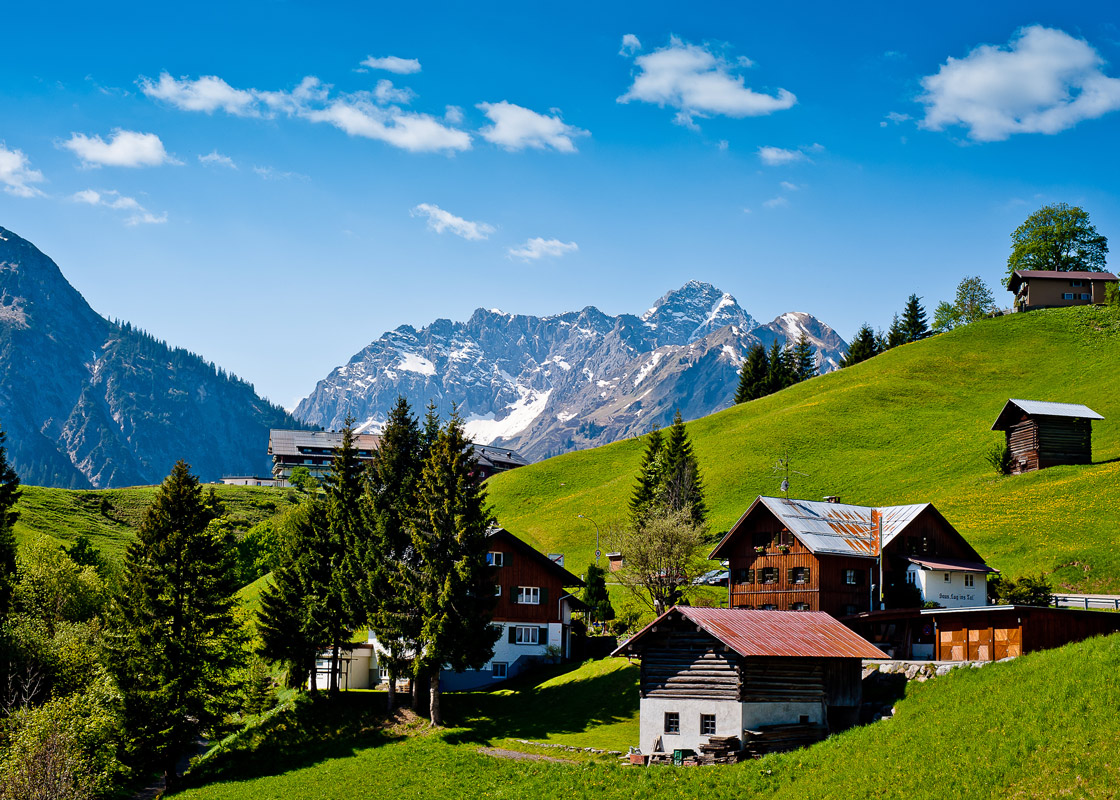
[729,722]
[952,593]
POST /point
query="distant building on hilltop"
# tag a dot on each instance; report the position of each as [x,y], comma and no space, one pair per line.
[800,555]
[1042,434]
[315,449]
[1049,289]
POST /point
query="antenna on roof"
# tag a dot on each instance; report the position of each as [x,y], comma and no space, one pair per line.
[781,467]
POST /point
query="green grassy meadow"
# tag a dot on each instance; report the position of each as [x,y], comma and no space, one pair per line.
[911,425]
[1042,726]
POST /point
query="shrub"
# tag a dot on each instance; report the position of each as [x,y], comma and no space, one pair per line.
[999,457]
[1025,591]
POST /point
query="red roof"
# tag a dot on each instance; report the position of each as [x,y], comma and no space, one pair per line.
[1020,275]
[952,565]
[798,634]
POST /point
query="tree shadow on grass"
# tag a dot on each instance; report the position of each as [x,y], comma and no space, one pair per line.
[533,711]
[309,731]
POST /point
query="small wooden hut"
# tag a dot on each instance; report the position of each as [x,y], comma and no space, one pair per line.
[1042,434]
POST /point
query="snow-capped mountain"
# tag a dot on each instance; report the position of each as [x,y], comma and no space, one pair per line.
[546,385]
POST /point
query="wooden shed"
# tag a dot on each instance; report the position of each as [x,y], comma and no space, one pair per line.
[719,673]
[1043,434]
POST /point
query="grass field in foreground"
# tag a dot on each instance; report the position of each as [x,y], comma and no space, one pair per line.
[1042,726]
[909,426]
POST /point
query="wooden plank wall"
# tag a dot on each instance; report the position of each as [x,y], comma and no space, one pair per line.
[690,665]
[522,570]
[1063,440]
[782,680]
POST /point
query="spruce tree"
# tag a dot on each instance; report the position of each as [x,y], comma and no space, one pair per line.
[174,643]
[914,322]
[753,376]
[9,494]
[804,359]
[453,585]
[429,432]
[390,497]
[680,486]
[778,372]
[896,335]
[862,347]
[595,594]
[649,478]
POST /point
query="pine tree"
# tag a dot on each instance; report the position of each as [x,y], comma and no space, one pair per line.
[429,432]
[862,348]
[174,642]
[896,335]
[453,585]
[680,485]
[390,496]
[753,376]
[914,322]
[804,359]
[9,494]
[649,477]
[595,594]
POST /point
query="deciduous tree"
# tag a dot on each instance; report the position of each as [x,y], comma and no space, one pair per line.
[1057,237]
[662,557]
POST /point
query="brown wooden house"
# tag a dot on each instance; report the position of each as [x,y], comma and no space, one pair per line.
[1042,434]
[799,555]
[719,672]
[1035,288]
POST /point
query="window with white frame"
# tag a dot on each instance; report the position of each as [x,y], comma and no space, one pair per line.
[497,590]
[523,634]
[529,595]
[498,669]
[495,559]
[851,577]
[948,577]
[911,577]
[968,580]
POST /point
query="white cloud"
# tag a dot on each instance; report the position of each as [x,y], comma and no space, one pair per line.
[124,149]
[440,221]
[273,174]
[777,156]
[777,202]
[1042,81]
[208,93]
[516,128]
[538,248]
[630,45]
[137,214]
[698,83]
[16,174]
[217,159]
[395,64]
[790,187]
[453,115]
[372,115]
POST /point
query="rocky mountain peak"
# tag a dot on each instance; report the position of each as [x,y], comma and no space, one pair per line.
[693,311]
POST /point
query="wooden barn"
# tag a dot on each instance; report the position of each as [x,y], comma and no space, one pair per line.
[786,554]
[1042,434]
[719,674]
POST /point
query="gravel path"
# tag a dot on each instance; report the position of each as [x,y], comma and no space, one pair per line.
[517,755]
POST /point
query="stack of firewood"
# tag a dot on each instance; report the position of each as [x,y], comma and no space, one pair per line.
[780,738]
[719,750]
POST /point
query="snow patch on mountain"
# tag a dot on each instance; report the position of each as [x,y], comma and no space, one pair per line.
[485,428]
[410,362]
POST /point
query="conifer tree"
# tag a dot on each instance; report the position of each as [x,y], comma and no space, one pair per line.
[429,432]
[914,321]
[453,585]
[390,497]
[778,372]
[595,594]
[896,334]
[680,485]
[804,359]
[862,348]
[753,376]
[9,494]
[174,643]
[649,478]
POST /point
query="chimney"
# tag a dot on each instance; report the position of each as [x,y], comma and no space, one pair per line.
[832,498]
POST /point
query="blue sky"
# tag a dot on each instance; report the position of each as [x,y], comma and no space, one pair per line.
[273,186]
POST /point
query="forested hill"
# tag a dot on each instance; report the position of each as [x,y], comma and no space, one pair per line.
[91,403]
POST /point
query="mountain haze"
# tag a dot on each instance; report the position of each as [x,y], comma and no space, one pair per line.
[91,403]
[546,385]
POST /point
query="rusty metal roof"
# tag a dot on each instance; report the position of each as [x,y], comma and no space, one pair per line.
[1041,408]
[794,634]
[838,527]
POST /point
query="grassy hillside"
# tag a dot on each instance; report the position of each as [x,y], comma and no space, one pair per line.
[110,517]
[1041,726]
[911,425]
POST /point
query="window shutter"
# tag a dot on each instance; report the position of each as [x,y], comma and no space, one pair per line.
[507,560]
[791,574]
[512,634]
[806,573]
[859,577]
[750,576]
[544,595]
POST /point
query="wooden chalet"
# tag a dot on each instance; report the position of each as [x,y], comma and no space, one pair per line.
[989,633]
[799,555]
[1043,434]
[1035,288]
[719,673]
